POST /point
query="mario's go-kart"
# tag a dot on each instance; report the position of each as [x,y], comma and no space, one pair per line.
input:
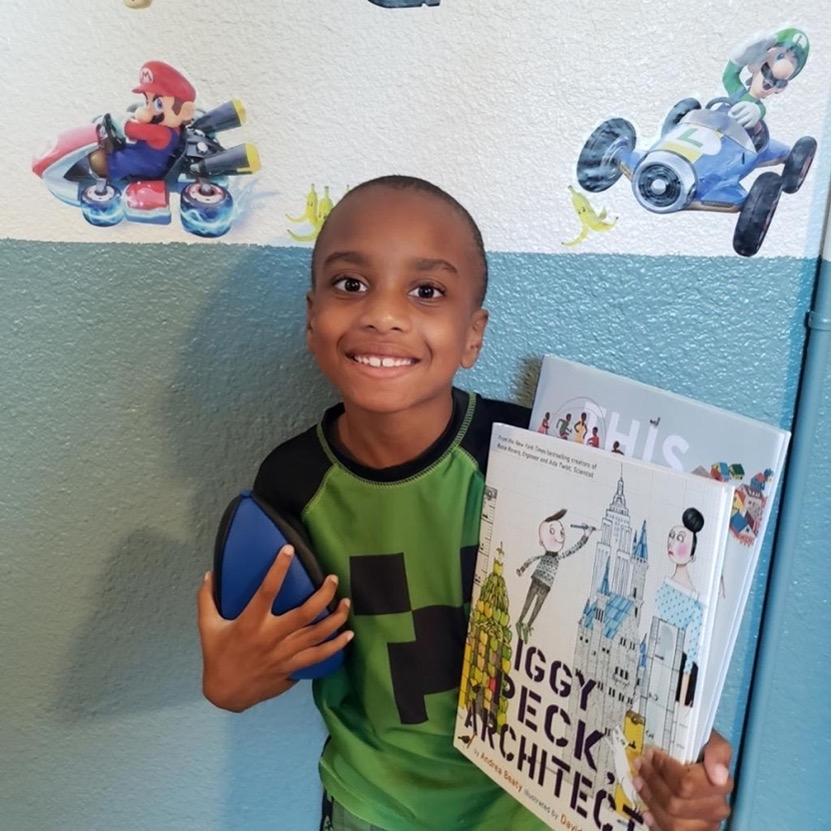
[197,168]
[698,163]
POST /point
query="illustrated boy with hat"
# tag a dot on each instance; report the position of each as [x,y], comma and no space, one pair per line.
[552,539]
[154,129]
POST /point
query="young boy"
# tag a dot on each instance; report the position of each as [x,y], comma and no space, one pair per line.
[387,489]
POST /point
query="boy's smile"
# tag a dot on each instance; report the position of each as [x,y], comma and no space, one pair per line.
[395,306]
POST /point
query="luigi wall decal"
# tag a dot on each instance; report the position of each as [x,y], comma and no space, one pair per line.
[705,151]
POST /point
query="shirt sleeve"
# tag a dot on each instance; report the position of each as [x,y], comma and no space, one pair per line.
[528,563]
[579,544]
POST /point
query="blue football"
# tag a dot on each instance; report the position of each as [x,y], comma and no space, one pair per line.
[250,535]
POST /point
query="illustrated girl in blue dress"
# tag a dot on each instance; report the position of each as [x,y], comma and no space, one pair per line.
[678,602]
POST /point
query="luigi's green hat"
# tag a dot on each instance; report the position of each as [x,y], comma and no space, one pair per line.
[797,42]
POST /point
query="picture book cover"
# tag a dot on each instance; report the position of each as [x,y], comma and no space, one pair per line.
[592,606]
[596,408]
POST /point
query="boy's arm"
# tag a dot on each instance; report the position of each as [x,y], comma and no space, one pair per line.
[686,797]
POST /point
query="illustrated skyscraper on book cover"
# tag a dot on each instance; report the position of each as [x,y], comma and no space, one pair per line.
[593,600]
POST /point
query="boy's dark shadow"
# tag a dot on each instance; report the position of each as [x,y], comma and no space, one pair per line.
[526,379]
[225,410]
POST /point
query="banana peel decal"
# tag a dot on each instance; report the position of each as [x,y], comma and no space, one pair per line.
[314,215]
[591,220]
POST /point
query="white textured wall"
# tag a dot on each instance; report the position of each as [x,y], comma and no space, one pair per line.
[491,100]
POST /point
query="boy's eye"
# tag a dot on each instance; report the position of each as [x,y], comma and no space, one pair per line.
[427,292]
[348,284]
[158,104]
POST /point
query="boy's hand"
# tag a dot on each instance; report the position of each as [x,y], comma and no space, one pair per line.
[685,797]
[249,659]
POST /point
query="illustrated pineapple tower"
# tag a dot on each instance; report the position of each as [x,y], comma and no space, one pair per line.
[488,650]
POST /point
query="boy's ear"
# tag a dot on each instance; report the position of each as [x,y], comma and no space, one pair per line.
[475,337]
[309,326]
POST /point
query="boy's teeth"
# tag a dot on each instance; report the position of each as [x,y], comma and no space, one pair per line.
[383,361]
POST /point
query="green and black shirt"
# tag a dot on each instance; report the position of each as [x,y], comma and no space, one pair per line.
[403,542]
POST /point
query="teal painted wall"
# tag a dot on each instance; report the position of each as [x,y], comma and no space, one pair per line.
[142,385]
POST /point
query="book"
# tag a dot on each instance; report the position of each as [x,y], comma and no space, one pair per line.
[580,403]
[593,603]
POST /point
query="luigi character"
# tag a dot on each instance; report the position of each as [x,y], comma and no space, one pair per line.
[772,60]
[153,131]
[552,539]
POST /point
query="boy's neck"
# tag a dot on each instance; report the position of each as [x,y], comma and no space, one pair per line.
[380,441]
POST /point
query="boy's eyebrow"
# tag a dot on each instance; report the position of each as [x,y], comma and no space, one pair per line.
[420,264]
[350,257]
[428,264]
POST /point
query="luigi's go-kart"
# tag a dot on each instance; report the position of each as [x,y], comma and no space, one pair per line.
[698,163]
[199,172]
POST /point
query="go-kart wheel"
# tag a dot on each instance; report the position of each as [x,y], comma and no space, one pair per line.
[797,164]
[598,167]
[756,214]
[677,112]
[102,206]
[206,209]
[664,182]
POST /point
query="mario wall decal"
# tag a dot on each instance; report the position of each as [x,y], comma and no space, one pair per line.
[155,127]
[704,152]
[116,169]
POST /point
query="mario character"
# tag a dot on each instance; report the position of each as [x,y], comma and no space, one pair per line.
[154,130]
[772,60]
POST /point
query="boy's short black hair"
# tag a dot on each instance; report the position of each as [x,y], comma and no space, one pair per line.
[401,181]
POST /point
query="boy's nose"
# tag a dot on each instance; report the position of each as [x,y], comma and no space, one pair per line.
[386,310]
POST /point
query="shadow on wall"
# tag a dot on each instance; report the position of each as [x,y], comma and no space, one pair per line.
[242,383]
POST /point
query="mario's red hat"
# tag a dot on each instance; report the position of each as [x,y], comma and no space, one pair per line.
[163,80]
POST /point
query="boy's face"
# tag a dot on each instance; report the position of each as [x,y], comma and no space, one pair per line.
[394,310]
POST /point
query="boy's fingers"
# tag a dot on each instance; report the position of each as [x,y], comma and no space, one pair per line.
[717,756]
[314,634]
[659,816]
[677,795]
[206,609]
[261,603]
[297,618]
[316,654]
[686,781]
